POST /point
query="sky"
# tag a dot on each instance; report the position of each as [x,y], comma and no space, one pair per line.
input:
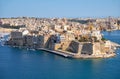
[59,8]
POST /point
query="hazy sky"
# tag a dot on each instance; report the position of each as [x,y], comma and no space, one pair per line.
[59,8]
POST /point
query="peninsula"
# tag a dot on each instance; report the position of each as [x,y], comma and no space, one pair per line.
[74,38]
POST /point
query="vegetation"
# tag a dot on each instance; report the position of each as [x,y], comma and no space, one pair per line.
[103,39]
[79,21]
[95,39]
[84,39]
[12,27]
[88,39]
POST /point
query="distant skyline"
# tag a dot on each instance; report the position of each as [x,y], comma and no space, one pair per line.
[59,8]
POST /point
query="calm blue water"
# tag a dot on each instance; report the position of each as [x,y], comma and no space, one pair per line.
[18,63]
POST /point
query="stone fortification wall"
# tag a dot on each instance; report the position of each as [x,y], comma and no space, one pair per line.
[87,48]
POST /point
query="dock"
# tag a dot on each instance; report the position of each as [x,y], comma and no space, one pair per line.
[66,55]
[69,55]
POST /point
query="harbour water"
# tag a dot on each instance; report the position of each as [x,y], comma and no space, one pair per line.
[17,63]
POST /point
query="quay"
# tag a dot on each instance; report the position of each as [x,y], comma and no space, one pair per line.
[66,55]
[71,55]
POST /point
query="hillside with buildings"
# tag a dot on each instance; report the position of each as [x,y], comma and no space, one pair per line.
[76,38]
